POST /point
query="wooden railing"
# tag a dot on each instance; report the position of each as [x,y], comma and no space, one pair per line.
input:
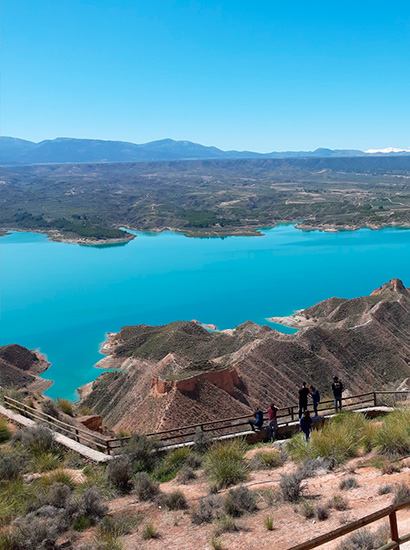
[88,438]
[390,512]
[216,428]
[285,416]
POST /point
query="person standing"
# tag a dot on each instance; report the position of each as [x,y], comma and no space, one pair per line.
[337,389]
[305,424]
[273,421]
[303,399]
[315,398]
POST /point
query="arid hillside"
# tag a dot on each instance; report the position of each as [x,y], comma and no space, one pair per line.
[180,373]
[19,367]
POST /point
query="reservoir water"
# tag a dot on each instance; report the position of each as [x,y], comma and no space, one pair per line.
[62,298]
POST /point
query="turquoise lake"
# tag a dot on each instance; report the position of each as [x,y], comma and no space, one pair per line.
[62,298]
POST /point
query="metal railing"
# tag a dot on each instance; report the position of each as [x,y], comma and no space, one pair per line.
[285,415]
[390,512]
[217,428]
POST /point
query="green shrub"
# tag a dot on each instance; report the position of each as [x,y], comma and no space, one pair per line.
[142,452]
[174,501]
[5,433]
[65,406]
[10,540]
[44,462]
[145,487]
[119,525]
[268,523]
[297,448]
[36,439]
[149,532]
[225,463]
[266,460]
[11,467]
[172,463]
[225,524]
[393,437]
[238,501]
[291,487]
[307,509]
[119,473]
[216,543]
[57,476]
[202,441]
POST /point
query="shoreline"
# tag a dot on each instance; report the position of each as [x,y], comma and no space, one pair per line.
[55,235]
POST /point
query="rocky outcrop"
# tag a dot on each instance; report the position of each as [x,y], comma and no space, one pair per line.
[20,366]
[194,375]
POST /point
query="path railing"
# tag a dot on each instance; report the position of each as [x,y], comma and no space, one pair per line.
[88,438]
[286,416]
[395,539]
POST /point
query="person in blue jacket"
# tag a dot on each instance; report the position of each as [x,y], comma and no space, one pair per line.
[305,424]
[258,422]
[314,393]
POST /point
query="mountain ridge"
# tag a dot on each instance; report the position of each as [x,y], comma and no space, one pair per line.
[72,150]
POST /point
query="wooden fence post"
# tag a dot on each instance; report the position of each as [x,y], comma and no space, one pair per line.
[375,398]
[393,527]
[108,447]
[76,436]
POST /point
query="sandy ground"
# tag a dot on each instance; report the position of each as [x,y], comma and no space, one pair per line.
[177,532]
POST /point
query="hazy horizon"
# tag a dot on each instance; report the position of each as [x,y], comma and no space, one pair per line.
[243,76]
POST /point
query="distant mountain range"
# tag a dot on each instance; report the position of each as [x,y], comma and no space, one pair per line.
[61,150]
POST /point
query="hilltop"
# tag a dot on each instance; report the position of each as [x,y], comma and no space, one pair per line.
[20,366]
[175,374]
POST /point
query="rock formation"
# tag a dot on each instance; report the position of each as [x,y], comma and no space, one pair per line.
[180,373]
[19,367]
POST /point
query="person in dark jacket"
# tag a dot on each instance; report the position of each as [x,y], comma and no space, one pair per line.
[314,393]
[258,422]
[305,424]
[303,399]
[337,389]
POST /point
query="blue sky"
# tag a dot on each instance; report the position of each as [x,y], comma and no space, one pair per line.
[257,75]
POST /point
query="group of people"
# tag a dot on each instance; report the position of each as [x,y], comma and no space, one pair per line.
[305,420]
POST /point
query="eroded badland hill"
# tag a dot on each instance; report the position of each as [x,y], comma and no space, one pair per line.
[181,373]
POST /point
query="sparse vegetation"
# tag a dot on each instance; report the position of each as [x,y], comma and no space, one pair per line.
[322,513]
[145,487]
[119,473]
[348,483]
[365,540]
[385,489]
[186,474]
[36,439]
[225,524]
[225,463]
[5,433]
[65,406]
[401,493]
[239,501]
[208,508]
[307,509]
[266,460]
[149,532]
[202,441]
[291,487]
[268,523]
[48,407]
[174,501]
[338,503]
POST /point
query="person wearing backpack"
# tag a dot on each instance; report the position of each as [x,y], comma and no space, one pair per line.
[315,395]
[337,389]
